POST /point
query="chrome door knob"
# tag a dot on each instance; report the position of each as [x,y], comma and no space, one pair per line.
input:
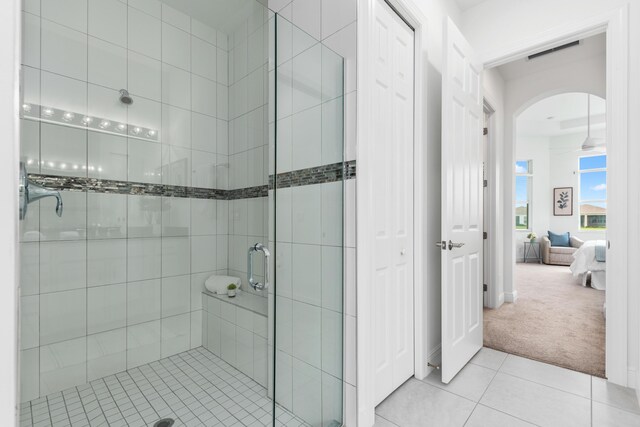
[455,245]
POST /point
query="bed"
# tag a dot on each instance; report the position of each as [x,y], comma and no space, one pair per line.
[591,258]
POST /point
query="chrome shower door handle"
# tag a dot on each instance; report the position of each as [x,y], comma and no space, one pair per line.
[258,247]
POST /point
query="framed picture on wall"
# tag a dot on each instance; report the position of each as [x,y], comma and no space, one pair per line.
[563,201]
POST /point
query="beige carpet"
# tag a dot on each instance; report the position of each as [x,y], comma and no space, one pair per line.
[555,320]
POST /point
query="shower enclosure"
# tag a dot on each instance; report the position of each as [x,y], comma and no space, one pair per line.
[179,140]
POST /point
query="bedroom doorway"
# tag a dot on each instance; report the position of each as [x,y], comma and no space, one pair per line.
[555,304]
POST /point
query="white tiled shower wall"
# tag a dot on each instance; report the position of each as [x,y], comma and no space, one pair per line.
[116,282]
[248,139]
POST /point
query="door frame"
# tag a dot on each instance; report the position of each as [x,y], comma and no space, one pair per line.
[615,25]
[10,48]
[493,217]
[364,203]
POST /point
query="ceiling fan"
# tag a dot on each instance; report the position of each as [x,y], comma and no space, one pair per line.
[591,143]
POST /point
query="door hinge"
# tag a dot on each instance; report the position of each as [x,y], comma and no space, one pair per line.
[485,288]
[485,183]
[485,236]
[485,131]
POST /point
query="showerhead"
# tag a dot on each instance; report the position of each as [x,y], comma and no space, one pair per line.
[125,98]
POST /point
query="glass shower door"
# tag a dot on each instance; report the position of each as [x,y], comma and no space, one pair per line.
[306,172]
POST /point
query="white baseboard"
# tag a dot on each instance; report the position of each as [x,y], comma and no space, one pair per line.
[510,296]
[632,378]
[638,386]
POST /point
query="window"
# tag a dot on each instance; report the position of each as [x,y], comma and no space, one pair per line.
[593,192]
[524,178]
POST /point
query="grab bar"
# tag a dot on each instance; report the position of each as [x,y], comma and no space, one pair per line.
[258,247]
[30,192]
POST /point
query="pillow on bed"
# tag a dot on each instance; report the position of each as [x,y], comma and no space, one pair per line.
[563,239]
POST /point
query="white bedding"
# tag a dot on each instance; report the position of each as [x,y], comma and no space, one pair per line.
[585,259]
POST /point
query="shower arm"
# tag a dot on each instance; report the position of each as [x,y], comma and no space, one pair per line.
[30,192]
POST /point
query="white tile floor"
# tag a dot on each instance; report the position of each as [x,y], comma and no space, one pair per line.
[195,388]
[500,390]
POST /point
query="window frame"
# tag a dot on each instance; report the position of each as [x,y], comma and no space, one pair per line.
[580,201]
[529,201]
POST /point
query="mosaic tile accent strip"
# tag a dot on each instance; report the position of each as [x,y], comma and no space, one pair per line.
[316,175]
[193,387]
[310,176]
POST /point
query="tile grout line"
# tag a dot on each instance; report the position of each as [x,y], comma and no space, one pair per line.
[191,379]
[544,385]
[86,215]
[377,415]
[39,219]
[511,415]
[160,396]
[171,376]
[162,162]
[84,406]
[127,392]
[161,378]
[190,180]
[481,396]
[111,43]
[111,396]
[227,383]
[49,411]
[485,391]
[591,398]
[126,210]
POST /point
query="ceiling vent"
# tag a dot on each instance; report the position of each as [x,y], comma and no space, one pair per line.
[553,49]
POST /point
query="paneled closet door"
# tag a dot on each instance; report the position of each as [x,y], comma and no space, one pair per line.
[392,286]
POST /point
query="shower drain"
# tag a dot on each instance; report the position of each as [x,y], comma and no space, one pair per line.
[165,422]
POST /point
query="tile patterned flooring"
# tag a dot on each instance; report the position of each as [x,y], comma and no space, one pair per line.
[500,390]
[196,388]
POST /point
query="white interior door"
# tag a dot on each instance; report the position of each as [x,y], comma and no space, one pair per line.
[461,203]
[392,288]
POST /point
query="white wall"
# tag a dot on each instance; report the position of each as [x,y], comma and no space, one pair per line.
[495,24]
